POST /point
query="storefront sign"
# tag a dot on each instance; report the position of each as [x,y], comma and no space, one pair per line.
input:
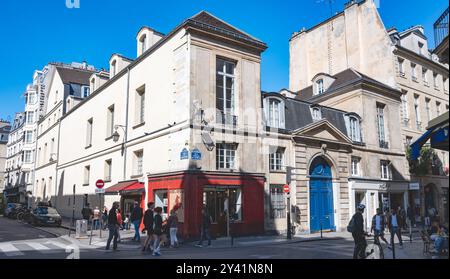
[184,154]
[414,186]
[196,155]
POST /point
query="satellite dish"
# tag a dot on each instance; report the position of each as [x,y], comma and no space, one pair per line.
[208,141]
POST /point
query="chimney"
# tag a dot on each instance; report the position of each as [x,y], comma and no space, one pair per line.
[84,64]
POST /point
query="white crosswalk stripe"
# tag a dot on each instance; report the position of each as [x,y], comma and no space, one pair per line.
[39,247]
[10,250]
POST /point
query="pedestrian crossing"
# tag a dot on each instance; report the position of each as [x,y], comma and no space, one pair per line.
[34,248]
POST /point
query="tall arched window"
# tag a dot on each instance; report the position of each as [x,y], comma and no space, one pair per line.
[275,113]
[355,131]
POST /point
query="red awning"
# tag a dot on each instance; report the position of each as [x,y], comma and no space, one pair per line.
[120,187]
[136,188]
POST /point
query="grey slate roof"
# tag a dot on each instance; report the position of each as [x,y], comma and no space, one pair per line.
[74,76]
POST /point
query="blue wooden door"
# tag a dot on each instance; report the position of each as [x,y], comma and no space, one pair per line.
[321,196]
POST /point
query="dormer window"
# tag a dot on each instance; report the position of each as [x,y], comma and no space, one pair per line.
[143,43]
[113,68]
[320,89]
[275,112]
[316,113]
[85,91]
[93,84]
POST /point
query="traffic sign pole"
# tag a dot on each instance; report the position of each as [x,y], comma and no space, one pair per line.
[287,191]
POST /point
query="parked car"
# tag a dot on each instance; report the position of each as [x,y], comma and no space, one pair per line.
[11,210]
[43,215]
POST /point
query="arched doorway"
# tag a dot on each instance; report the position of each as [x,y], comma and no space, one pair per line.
[321,196]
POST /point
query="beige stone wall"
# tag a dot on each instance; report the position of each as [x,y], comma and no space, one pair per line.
[355,39]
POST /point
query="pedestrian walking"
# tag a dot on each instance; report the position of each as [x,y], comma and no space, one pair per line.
[356,227]
[173,228]
[120,223]
[104,218]
[157,232]
[402,214]
[378,225]
[395,224]
[411,216]
[148,226]
[113,227]
[96,219]
[136,219]
[204,229]
[87,213]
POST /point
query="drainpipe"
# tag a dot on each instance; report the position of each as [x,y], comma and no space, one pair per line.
[126,126]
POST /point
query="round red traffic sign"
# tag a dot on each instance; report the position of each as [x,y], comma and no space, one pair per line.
[286,189]
[100,184]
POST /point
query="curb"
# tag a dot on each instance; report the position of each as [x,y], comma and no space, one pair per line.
[43,230]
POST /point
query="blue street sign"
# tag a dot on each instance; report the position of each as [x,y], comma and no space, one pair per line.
[184,154]
[196,155]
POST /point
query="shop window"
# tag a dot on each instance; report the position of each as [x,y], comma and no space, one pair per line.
[219,201]
[277,202]
[161,200]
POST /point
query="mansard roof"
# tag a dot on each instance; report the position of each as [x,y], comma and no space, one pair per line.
[74,76]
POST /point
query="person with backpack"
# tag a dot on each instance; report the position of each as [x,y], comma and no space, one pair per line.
[204,229]
[158,231]
[356,227]
[148,226]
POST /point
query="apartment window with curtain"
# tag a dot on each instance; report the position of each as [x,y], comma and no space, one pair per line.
[225,91]
[87,173]
[140,105]
[355,166]
[276,113]
[89,132]
[427,108]
[385,169]
[138,162]
[110,121]
[276,159]
[381,122]
[417,112]
[108,169]
[226,156]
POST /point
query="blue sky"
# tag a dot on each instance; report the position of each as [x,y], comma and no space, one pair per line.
[35,32]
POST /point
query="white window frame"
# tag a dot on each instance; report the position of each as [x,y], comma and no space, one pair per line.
[417,111]
[276,159]
[83,91]
[223,73]
[413,71]
[385,170]
[226,156]
[28,156]
[381,121]
[355,128]
[89,126]
[277,202]
[401,66]
[355,166]
[140,105]
[110,121]
[316,113]
[108,170]
[320,88]
[428,108]
[29,135]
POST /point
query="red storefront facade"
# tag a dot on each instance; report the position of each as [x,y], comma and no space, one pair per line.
[240,194]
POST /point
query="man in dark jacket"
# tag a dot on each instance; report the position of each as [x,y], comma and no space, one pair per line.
[136,219]
[113,227]
[378,225]
[87,212]
[148,225]
[395,224]
[358,233]
[204,233]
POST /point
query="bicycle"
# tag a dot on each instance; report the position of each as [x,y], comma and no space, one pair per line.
[24,215]
[374,251]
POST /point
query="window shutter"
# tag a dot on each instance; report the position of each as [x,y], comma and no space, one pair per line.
[282,110]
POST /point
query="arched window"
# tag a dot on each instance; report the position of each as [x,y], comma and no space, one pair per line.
[319,87]
[316,113]
[354,128]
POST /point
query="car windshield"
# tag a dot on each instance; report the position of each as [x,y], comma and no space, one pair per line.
[46,210]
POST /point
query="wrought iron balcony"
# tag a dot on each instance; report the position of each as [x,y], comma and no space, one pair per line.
[441,28]
[384,144]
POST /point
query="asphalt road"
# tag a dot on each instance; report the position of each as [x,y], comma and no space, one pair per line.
[23,241]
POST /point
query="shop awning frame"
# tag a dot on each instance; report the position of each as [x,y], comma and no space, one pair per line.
[125,187]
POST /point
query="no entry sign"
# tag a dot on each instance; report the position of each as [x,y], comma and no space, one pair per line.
[286,189]
[100,184]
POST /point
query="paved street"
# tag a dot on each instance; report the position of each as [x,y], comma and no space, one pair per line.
[22,241]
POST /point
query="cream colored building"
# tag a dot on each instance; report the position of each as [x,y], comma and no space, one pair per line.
[5,128]
[357,39]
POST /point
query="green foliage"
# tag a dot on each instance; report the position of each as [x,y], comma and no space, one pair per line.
[422,165]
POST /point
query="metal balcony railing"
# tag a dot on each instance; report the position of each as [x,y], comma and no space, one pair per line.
[226,119]
[384,144]
[441,28]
